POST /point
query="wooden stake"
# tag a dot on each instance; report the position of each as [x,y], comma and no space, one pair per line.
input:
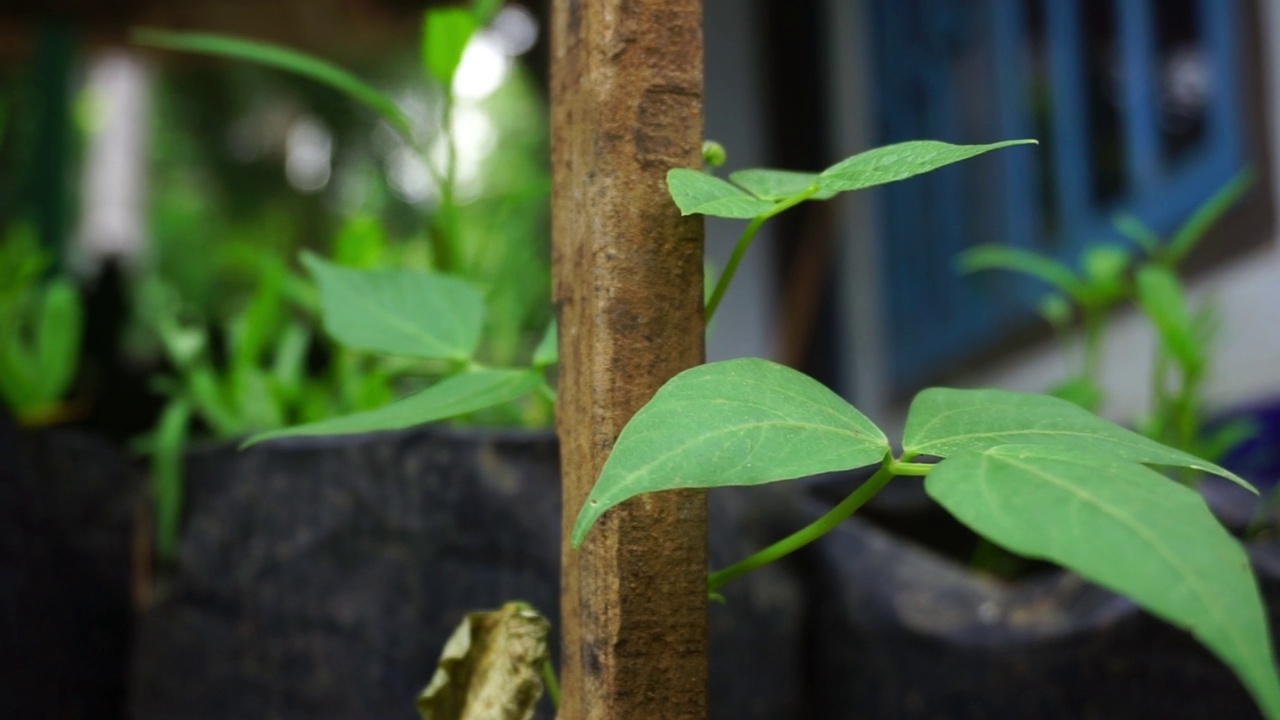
[626,85]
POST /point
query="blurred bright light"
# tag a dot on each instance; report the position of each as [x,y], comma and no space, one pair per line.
[308,159]
[483,69]
[515,30]
[474,137]
[409,176]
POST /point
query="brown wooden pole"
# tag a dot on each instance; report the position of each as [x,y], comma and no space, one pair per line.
[626,88]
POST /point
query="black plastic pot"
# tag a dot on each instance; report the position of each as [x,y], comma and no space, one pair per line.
[319,579]
[66,516]
[902,632]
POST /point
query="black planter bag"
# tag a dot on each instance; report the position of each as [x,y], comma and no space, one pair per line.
[67,501]
[320,578]
[901,632]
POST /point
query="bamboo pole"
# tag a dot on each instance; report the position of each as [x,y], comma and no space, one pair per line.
[626,86]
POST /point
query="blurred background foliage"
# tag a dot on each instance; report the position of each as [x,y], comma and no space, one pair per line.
[246,167]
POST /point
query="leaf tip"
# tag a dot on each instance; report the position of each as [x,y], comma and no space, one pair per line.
[591,512]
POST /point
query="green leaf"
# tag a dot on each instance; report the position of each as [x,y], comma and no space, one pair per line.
[252,330]
[484,10]
[702,194]
[445,34]
[1161,298]
[209,401]
[892,163]
[282,59]
[737,422]
[943,422]
[1194,229]
[19,372]
[58,339]
[1137,231]
[1105,264]
[289,362]
[399,312]
[1127,528]
[1056,310]
[458,395]
[1001,257]
[361,242]
[548,350]
[777,185]
[168,449]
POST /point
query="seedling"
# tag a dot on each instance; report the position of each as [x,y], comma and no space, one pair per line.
[41,323]
[1145,275]
[1035,474]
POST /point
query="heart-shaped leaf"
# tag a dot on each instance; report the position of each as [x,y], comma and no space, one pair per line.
[945,421]
[777,185]
[892,163]
[702,194]
[458,395]
[399,312]
[737,422]
[1126,527]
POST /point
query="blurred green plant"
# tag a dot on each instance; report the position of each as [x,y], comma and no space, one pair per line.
[1112,275]
[452,328]
[41,326]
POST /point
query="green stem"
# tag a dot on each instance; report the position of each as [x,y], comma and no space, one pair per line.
[552,684]
[744,242]
[808,533]
[444,238]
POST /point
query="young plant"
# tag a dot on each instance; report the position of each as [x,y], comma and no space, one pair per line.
[424,316]
[491,241]
[1112,275]
[1037,475]
[245,375]
[41,324]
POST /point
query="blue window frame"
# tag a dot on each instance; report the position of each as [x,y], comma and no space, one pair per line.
[1136,103]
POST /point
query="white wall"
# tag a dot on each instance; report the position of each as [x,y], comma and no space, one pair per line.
[735,118]
[1246,361]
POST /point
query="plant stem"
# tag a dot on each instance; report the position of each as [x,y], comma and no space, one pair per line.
[808,533]
[744,242]
[552,684]
[446,258]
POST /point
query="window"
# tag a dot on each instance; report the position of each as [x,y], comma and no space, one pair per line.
[1141,106]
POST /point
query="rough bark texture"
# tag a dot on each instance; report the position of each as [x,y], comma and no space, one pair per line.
[627,105]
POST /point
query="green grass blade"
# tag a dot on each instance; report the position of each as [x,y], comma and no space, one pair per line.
[280,58]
